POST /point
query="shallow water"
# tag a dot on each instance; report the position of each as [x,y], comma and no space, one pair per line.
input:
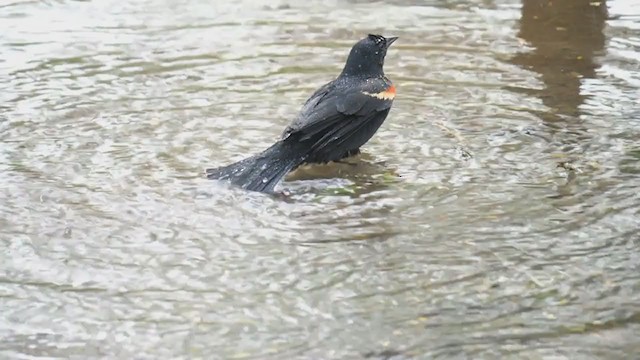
[494,215]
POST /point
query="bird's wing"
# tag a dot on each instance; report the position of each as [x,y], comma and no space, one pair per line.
[374,96]
[310,108]
[340,109]
[346,129]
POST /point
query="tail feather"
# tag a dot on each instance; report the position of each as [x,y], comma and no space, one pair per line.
[261,172]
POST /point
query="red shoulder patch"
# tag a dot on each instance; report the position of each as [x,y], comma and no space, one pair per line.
[388,94]
[391,90]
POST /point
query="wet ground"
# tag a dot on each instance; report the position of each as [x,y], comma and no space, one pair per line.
[494,215]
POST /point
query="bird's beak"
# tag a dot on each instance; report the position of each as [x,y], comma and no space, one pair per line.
[391,40]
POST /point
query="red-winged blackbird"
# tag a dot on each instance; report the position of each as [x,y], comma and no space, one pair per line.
[333,124]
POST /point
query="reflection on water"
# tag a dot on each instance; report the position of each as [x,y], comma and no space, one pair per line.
[494,215]
[567,37]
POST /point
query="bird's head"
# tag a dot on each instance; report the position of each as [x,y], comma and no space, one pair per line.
[367,56]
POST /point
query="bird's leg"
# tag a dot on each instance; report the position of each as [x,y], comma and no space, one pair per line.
[353,152]
[348,154]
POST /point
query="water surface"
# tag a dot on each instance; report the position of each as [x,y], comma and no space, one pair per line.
[494,215]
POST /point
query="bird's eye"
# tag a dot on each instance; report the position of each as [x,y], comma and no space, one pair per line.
[377,39]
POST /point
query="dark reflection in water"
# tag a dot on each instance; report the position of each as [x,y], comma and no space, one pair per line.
[568,37]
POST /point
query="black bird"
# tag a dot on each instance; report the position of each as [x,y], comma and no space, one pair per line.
[333,123]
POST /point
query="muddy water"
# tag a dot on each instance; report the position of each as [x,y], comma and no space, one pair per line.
[494,215]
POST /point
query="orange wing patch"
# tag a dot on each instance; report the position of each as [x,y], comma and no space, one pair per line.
[388,94]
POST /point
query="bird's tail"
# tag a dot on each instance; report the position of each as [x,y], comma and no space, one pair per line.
[262,172]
